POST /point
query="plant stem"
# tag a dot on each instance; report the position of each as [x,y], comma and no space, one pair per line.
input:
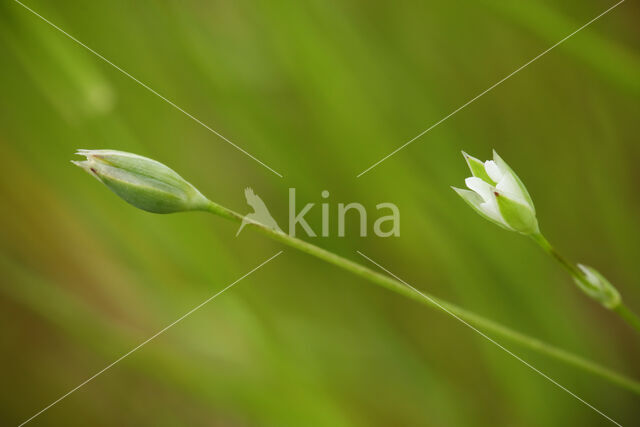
[628,315]
[621,309]
[431,301]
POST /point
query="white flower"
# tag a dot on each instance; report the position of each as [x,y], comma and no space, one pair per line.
[497,194]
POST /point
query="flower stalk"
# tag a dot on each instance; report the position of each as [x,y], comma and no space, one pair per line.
[429,300]
[151,186]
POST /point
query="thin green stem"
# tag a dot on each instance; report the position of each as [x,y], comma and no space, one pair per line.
[622,310]
[628,315]
[433,302]
[570,267]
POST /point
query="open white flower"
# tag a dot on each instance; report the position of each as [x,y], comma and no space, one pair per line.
[497,194]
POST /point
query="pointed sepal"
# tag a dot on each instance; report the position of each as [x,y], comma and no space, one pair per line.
[518,216]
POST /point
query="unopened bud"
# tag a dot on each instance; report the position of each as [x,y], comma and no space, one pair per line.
[142,182]
[598,287]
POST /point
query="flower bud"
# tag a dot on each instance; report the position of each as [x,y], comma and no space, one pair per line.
[142,182]
[497,194]
[598,287]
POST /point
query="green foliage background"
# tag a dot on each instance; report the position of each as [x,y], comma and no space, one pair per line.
[319,90]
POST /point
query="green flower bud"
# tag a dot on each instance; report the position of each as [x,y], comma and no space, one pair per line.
[598,287]
[497,194]
[142,182]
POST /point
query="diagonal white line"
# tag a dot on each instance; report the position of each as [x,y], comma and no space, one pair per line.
[161,331]
[431,300]
[487,90]
[218,134]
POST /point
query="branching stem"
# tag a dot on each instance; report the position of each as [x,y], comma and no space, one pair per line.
[487,325]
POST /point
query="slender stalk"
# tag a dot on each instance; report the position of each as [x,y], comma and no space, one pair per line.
[628,315]
[622,310]
[433,302]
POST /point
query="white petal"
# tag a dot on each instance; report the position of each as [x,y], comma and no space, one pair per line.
[494,172]
[490,209]
[509,185]
[490,205]
[481,187]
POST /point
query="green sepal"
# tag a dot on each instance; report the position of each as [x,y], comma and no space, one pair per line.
[503,165]
[147,193]
[477,168]
[518,216]
[473,199]
[145,183]
[138,165]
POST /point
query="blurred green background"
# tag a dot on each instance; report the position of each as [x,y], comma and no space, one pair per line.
[318,90]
